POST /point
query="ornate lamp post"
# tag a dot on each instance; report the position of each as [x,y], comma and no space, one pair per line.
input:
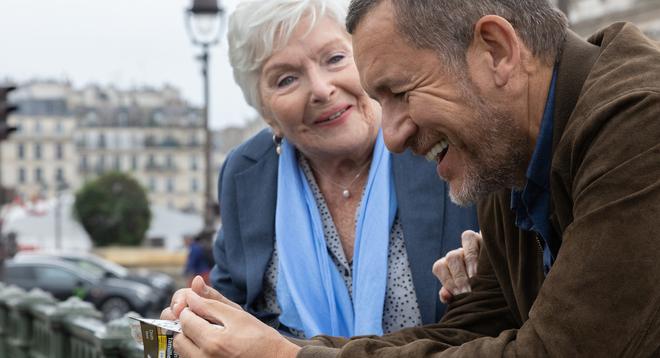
[60,186]
[204,22]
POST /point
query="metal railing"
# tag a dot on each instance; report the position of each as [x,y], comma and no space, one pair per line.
[35,325]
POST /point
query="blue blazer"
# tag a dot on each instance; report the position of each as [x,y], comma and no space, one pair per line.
[247,190]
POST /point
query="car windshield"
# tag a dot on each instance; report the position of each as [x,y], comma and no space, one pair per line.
[117,270]
[91,269]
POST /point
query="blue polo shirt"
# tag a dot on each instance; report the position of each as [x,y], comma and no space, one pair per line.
[532,205]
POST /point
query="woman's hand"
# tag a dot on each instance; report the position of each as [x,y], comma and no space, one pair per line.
[458,266]
[242,334]
[200,307]
[199,287]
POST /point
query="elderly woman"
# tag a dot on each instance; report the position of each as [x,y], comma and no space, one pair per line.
[324,231]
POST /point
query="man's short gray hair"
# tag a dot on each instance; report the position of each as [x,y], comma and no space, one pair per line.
[447,26]
[258,28]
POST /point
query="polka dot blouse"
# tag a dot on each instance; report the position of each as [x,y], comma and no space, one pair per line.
[400,307]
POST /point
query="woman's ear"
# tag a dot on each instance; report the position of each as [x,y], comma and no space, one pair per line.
[274,126]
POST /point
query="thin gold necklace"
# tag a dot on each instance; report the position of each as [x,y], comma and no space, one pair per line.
[345,189]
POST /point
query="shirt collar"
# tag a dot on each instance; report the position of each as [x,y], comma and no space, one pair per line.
[538,170]
[540,164]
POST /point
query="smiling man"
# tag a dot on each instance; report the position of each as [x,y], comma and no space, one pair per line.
[556,139]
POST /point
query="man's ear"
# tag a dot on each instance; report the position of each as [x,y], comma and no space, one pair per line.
[497,47]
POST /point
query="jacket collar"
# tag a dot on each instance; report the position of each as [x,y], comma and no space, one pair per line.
[261,148]
[575,62]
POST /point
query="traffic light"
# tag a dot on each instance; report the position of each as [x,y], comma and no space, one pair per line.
[5,109]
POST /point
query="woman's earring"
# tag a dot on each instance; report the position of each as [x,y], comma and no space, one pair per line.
[278,144]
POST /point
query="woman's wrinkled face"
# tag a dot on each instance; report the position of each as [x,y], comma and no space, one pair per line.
[311,93]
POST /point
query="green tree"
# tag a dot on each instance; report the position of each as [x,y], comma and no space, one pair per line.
[114,210]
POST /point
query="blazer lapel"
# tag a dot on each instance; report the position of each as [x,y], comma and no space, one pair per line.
[257,195]
[421,194]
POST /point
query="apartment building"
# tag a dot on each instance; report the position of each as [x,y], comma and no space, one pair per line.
[67,137]
[39,157]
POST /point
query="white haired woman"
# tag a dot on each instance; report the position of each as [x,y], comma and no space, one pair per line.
[324,231]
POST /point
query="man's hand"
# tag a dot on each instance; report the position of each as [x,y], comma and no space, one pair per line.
[455,269]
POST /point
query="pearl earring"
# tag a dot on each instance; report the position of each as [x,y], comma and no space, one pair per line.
[278,144]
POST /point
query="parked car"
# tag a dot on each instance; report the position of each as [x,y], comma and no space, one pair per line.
[159,281]
[112,296]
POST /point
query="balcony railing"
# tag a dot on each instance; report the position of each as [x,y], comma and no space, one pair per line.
[34,325]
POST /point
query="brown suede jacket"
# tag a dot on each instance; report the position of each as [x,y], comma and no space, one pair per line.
[602,296]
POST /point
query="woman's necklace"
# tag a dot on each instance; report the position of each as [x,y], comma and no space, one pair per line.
[345,189]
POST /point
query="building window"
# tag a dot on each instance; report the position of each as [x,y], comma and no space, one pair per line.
[193,162]
[58,127]
[59,175]
[169,162]
[91,117]
[117,163]
[194,185]
[38,175]
[21,151]
[134,162]
[116,141]
[21,175]
[152,184]
[83,162]
[151,162]
[122,118]
[170,185]
[193,140]
[100,164]
[37,127]
[135,141]
[37,151]
[59,151]
[101,141]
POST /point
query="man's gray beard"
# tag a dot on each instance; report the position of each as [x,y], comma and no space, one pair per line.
[478,184]
[499,162]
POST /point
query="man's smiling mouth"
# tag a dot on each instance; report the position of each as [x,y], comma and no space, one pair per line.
[438,151]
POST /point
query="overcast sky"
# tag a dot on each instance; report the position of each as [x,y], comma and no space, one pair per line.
[127,43]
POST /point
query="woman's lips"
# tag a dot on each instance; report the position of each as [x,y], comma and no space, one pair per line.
[335,117]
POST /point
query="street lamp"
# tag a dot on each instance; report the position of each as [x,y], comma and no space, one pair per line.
[204,22]
[60,186]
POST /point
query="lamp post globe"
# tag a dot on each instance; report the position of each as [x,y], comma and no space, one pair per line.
[204,22]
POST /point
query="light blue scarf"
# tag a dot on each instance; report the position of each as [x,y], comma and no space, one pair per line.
[310,290]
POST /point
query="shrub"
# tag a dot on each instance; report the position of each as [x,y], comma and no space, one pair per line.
[114,210]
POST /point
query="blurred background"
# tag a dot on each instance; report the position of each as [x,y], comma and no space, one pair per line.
[124,112]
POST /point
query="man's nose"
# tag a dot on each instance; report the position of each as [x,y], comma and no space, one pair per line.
[397,129]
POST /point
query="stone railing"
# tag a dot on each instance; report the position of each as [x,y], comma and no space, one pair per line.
[35,325]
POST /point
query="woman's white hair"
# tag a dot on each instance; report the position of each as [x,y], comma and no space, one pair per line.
[258,28]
